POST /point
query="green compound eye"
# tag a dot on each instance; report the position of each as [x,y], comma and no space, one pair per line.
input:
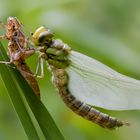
[45,36]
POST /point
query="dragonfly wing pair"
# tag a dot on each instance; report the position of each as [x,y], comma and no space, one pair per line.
[98,85]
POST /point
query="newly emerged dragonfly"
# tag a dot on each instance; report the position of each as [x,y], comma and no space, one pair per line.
[85,83]
[19,50]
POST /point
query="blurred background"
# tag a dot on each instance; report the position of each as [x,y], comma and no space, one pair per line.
[108,31]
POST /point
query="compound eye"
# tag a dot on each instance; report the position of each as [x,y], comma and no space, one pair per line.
[45,36]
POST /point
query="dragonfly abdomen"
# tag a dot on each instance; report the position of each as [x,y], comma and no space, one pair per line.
[60,79]
[88,112]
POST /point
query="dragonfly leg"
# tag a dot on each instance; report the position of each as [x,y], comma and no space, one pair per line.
[7,63]
[37,68]
[39,65]
[42,68]
[27,53]
[20,48]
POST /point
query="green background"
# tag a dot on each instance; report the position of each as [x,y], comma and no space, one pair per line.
[108,31]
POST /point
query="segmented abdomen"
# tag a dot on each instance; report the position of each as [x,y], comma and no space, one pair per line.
[29,77]
[60,79]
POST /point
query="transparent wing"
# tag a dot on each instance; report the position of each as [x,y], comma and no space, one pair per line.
[98,85]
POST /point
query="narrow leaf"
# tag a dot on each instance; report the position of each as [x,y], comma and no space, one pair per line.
[46,123]
[16,99]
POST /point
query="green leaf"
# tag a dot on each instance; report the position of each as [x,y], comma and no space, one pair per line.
[46,123]
[16,99]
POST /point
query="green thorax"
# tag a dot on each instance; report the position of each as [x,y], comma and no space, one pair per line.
[56,53]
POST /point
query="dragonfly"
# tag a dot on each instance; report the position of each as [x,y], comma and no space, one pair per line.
[19,50]
[85,83]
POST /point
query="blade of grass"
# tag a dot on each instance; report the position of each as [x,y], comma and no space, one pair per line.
[16,99]
[46,123]
[43,117]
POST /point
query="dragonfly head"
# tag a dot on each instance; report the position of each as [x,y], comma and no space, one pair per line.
[42,36]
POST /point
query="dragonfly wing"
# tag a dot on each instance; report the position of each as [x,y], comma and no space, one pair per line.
[98,85]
